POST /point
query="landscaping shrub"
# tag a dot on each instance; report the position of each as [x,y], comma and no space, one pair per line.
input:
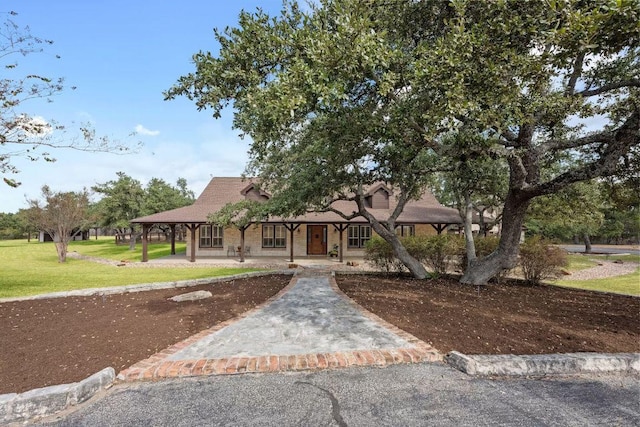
[437,253]
[380,253]
[484,246]
[540,260]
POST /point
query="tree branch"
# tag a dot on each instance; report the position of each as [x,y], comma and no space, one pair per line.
[563,144]
[609,87]
[625,137]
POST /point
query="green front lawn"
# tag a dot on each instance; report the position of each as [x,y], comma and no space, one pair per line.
[105,247]
[628,284]
[580,262]
[33,268]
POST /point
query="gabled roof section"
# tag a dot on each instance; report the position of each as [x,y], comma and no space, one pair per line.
[375,188]
[253,192]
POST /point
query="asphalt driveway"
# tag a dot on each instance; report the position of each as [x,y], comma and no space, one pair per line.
[427,394]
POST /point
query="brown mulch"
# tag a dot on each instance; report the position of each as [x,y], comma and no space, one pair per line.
[62,340]
[508,318]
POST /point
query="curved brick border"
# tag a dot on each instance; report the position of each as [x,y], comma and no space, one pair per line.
[158,365]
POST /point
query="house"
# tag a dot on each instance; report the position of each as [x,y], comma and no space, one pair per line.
[310,235]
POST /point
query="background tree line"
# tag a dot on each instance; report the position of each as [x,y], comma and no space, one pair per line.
[63,214]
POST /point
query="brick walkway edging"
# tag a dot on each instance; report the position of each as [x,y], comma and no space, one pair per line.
[158,366]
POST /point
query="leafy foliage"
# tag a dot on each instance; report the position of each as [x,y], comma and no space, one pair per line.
[125,199]
[62,215]
[540,260]
[439,253]
[354,92]
[379,253]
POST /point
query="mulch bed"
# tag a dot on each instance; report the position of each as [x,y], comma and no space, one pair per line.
[62,340]
[507,318]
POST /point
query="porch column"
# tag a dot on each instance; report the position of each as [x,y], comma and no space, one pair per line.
[439,227]
[193,228]
[242,230]
[341,228]
[291,228]
[145,242]
[173,238]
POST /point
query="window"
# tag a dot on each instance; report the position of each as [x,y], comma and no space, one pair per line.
[405,230]
[210,236]
[358,236]
[274,236]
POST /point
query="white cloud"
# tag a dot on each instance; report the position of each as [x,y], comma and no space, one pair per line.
[144,131]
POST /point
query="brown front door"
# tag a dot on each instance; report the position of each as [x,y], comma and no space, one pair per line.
[317,240]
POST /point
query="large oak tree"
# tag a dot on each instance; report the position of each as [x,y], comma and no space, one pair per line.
[352,92]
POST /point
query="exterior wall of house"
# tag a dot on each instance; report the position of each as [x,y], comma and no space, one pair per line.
[253,239]
[425,230]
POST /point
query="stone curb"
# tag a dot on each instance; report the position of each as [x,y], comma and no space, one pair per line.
[145,286]
[544,364]
[46,401]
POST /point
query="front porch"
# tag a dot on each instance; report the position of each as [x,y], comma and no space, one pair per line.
[284,241]
[274,262]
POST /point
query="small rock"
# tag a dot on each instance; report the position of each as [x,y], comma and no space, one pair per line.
[192,296]
[291,265]
[618,261]
[565,272]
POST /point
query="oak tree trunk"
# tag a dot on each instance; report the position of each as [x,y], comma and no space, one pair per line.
[480,271]
[468,232]
[414,266]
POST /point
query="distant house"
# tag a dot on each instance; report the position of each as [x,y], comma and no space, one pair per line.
[310,235]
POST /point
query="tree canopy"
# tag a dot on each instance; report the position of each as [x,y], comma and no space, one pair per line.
[125,198]
[353,92]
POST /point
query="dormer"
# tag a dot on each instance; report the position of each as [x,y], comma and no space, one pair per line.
[252,192]
[378,197]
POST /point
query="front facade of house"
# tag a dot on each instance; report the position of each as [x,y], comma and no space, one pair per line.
[273,239]
[319,234]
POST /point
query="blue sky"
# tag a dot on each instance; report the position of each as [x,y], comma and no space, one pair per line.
[121,56]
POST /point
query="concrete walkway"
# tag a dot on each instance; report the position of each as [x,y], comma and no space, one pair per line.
[310,324]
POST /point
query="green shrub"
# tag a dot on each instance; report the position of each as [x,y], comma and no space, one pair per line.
[484,246]
[380,253]
[438,253]
[540,260]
